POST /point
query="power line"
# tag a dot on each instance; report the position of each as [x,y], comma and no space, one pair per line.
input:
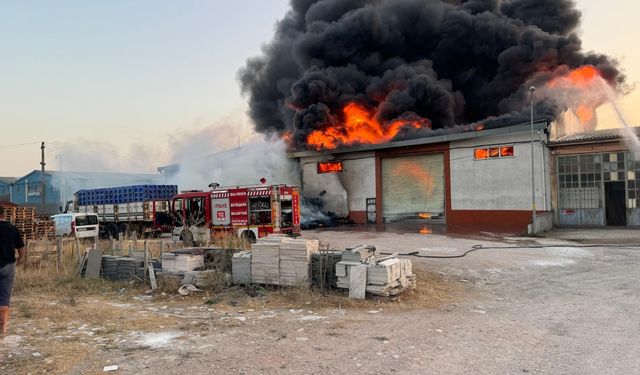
[19,144]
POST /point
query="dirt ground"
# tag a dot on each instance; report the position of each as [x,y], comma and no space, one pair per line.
[525,305]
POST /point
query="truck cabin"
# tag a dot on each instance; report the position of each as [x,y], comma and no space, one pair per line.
[191,208]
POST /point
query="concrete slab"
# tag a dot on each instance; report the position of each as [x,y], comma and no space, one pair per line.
[94,262]
[357,282]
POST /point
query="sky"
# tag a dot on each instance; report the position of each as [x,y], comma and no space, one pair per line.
[127,85]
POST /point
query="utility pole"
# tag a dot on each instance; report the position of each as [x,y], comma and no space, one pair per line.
[533,172]
[42,186]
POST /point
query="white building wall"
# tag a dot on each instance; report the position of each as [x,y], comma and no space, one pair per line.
[347,190]
[359,179]
[499,184]
[326,185]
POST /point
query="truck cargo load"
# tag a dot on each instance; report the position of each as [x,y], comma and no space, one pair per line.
[142,209]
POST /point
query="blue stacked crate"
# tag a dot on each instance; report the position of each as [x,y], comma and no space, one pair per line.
[126,194]
[123,194]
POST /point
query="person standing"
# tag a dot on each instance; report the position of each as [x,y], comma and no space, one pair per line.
[10,241]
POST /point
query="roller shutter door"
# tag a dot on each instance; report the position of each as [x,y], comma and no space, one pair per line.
[412,185]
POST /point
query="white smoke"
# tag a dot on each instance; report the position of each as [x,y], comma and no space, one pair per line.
[603,98]
[85,155]
[244,165]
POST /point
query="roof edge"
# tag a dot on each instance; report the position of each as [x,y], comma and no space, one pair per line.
[452,137]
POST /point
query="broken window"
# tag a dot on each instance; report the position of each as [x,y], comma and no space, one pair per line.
[330,167]
[506,151]
[493,152]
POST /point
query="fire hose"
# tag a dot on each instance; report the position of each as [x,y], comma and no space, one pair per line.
[482,247]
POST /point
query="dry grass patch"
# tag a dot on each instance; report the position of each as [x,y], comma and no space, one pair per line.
[432,291]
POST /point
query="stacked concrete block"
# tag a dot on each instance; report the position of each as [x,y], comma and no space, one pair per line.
[390,277]
[384,277]
[122,268]
[180,263]
[295,257]
[352,257]
[241,268]
[265,262]
[280,260]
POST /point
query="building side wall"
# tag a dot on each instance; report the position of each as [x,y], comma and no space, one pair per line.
[326,186]
[359,180]
[5,191]
[343,193]
[501,184]
[26,192]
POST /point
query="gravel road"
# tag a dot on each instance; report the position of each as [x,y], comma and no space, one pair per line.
[565,308]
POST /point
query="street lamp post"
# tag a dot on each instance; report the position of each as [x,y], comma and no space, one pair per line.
[62,192]
[532,89]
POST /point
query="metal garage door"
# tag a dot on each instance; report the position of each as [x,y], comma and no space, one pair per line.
[412,185]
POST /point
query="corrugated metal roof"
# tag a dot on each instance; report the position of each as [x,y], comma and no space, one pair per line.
[450,137]
[603,135]
[134,177]
[8,180]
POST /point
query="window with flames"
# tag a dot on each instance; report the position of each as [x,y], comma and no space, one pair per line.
[330,167]
[493,152]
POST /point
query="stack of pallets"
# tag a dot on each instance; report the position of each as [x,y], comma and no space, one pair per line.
[24,221]
[9,212]
[44,228]
[23,218]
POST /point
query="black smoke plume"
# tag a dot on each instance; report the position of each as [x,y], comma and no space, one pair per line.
[454,62]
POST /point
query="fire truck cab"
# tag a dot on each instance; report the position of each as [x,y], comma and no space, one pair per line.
[250,212]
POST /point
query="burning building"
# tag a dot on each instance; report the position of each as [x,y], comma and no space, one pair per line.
[416,104]
[475,178]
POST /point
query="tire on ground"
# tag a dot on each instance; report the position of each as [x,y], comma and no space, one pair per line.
[112,231]
[248,236]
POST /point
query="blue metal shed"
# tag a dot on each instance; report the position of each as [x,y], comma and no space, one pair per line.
[60,186]
[6,185]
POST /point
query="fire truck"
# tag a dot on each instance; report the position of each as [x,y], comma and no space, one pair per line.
[250,212]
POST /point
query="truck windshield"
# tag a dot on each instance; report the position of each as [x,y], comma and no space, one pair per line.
[86,220]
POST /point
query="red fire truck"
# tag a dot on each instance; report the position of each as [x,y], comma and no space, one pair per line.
[249,212]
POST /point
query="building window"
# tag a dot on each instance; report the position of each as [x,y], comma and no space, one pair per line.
[580,182]
[330,167]
[493,152]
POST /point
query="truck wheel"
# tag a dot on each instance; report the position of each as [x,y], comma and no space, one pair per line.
[248,236]
[124,230]
[112,231]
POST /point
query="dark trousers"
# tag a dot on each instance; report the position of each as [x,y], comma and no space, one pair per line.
[7,274]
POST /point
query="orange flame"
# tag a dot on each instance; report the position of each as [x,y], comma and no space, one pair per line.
[287,137]
[360,127]
[330,167]
[585,113]
[425,230]
[580,79]
[424,215]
